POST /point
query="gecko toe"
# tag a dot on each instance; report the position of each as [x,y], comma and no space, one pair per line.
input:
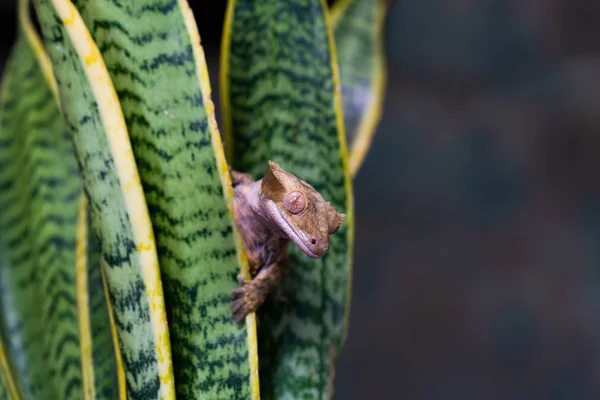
[246,299]
[237,305]
[239,309]
[237,293]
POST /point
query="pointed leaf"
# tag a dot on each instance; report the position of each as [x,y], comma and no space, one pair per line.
[152,51]
[34,290]
[119,212]
[38,212]
[281,102]
[358,30]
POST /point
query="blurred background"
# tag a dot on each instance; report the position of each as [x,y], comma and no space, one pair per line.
[477,260]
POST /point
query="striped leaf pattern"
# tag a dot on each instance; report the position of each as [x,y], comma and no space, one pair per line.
[119,212]
[281,102]
[358,30]
[39,193]
[105,366]
[82,275]
[102,368]
[159,72]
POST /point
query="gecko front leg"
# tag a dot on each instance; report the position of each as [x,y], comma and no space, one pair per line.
[253,293]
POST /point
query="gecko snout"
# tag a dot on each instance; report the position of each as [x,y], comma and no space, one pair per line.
[318,247]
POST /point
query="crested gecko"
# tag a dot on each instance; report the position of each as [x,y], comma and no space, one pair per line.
[269,213]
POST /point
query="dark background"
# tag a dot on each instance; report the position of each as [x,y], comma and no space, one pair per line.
[477,270]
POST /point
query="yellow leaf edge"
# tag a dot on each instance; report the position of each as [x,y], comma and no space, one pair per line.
[83,317]
[115,337]
[85,337]
[12,387]
[6,372]
[37,47]
[81,236]
[224,82]
[337,89]
[223,167]
[118,139]
[370,119]
[339,114]
[7,377]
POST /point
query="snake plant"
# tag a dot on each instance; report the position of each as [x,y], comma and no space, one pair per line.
[118,251]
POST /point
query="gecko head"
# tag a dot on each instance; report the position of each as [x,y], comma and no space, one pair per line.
[299,211]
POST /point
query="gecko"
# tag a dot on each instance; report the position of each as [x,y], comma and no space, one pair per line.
[269,213]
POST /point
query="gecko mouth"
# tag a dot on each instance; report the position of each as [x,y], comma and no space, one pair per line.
[287,228]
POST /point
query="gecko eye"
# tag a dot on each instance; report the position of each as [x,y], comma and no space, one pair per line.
[294,202]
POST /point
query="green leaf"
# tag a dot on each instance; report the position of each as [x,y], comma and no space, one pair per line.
[152,52]
[358,30]
[8,385]
[101,363]
[281,101]
[40,190]
[3,391]
[117,204]
[49,152]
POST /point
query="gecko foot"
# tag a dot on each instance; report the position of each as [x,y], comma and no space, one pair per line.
[246,299]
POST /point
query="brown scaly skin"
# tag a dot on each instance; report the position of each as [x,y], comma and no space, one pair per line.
[269,213]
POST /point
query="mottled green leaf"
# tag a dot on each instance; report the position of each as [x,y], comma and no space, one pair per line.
[152,52]
[39,192]
[8,383]
[281,102]
[358,30]
[102,368]
[60,173]
[93,115]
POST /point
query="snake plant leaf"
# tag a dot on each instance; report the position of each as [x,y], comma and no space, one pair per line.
[3,391]
[102,376]
[118,208]
[8,385]
[153,54]
[101,363]
[358,30]
[40,188]
[281,101]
